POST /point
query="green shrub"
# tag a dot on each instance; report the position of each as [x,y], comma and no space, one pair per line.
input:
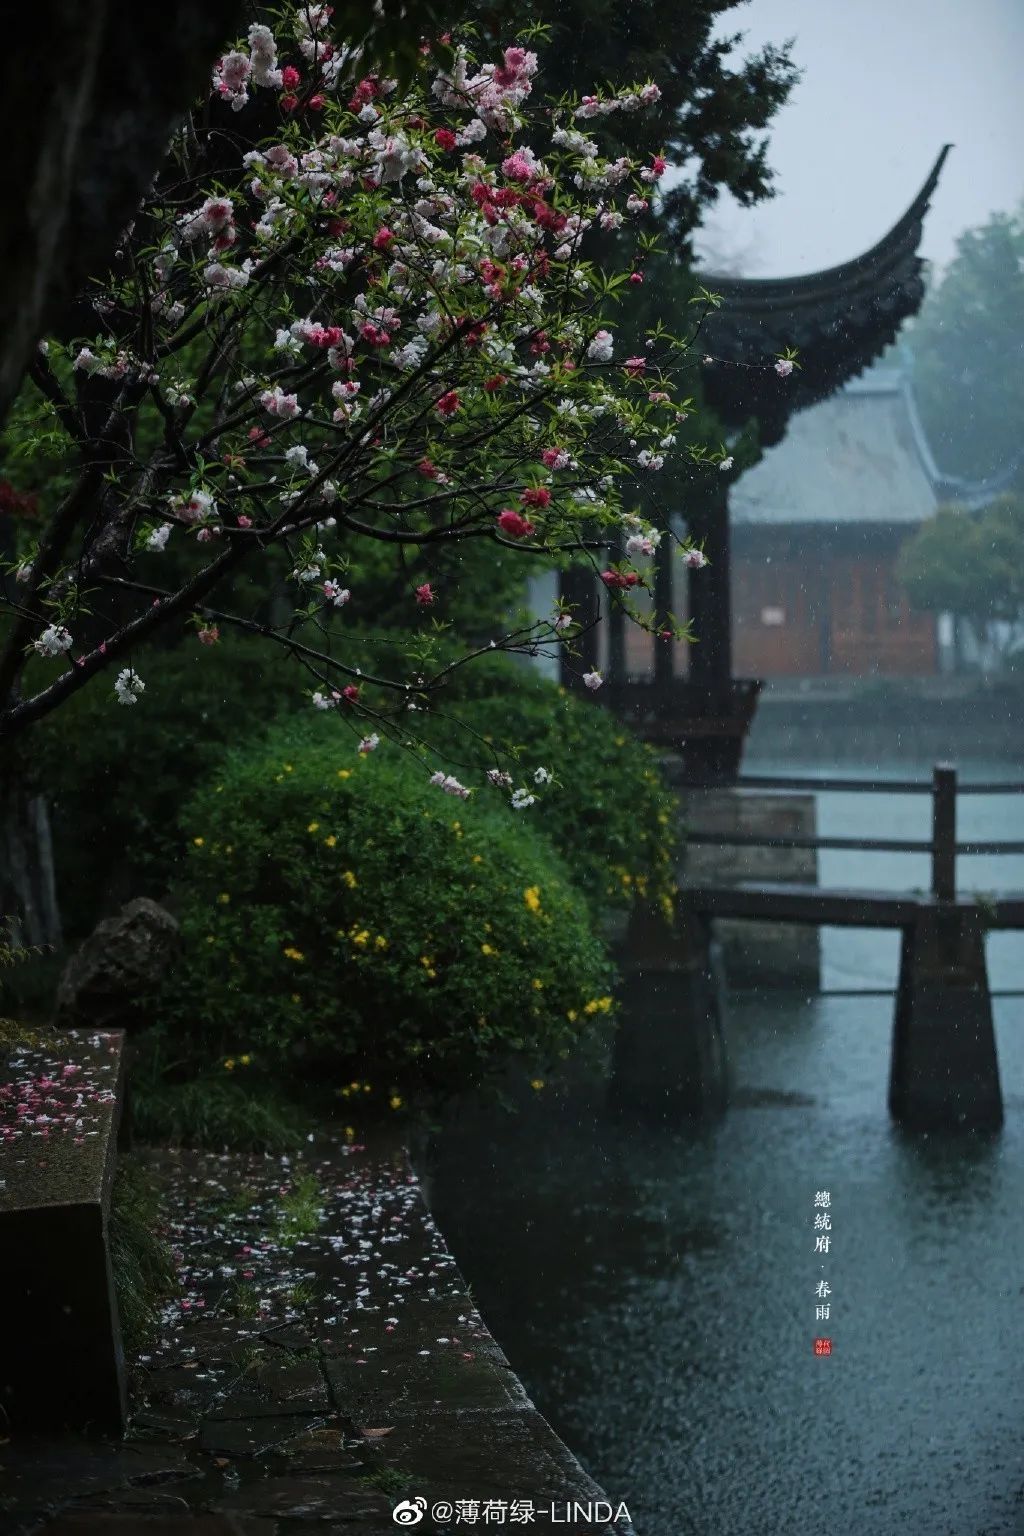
[117,777]
[348,923]
[611,816]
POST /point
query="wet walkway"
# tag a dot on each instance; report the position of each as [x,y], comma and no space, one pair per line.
[321,1364]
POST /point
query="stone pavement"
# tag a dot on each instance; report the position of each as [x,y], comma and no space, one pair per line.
[322,1364]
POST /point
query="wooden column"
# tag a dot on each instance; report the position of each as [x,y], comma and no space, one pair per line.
[581,589]
[711,599]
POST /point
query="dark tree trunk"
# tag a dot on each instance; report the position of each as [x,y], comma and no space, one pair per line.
[96,90]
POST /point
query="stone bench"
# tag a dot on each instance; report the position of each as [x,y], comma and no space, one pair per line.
[61,1360]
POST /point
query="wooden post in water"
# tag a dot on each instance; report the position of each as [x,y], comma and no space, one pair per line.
[943,832]
[944,1073]
[670,1061]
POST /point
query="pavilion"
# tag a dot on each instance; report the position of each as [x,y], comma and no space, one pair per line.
[840,321]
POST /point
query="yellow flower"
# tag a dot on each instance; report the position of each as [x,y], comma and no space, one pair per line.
[620,741]
[532,897]
[229,848]
[296,997]
[380,942]
[477,858]
[229,1064]
[487,949]
[287,767]
[198,841]
[366,1088]
[278,777]
[331,840]
[395,1101]
[223,898]
[210,939]
[344,773]
[350,1132]
[597,1005]
[313,826]
[361,938]
[537,984]
[572,1015]
[294,954]
[245,1060]
[350,879]
[537,1083]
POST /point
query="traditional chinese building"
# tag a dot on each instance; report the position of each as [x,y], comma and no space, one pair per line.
[841,321]
[817,527]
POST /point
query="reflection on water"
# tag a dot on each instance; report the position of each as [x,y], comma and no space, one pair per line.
[656,1290]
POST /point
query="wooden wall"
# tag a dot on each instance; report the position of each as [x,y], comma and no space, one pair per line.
[812,603]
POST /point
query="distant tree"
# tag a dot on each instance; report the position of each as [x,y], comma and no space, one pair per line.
[968,347]
[972,566]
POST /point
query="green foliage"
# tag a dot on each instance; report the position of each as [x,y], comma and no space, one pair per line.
[209,1109]
[613,819]
[143,1268]
[346,923]
[118,776]
[969,564]
[967,344]
[299,1212]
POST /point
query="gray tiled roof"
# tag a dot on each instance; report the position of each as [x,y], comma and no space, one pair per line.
[858,457]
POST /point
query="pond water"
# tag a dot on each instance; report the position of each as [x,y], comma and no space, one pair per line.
[656,1290]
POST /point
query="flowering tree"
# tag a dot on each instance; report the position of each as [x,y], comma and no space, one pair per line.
[348,313]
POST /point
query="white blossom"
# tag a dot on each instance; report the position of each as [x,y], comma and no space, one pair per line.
[600,349]
[128,686]
[53,641]
[158,537]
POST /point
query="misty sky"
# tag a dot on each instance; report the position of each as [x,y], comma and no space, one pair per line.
[886,83]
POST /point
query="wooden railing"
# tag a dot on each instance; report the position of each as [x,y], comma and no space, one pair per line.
[942,847]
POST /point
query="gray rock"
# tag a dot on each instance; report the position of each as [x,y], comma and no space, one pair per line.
[105,980]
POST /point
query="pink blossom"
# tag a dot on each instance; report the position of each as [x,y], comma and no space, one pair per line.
[515,525]
[208,635]
[592,680]
[449,403]
[276,403]
[425,594]
[783,367]
[635,365]
[695,559]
